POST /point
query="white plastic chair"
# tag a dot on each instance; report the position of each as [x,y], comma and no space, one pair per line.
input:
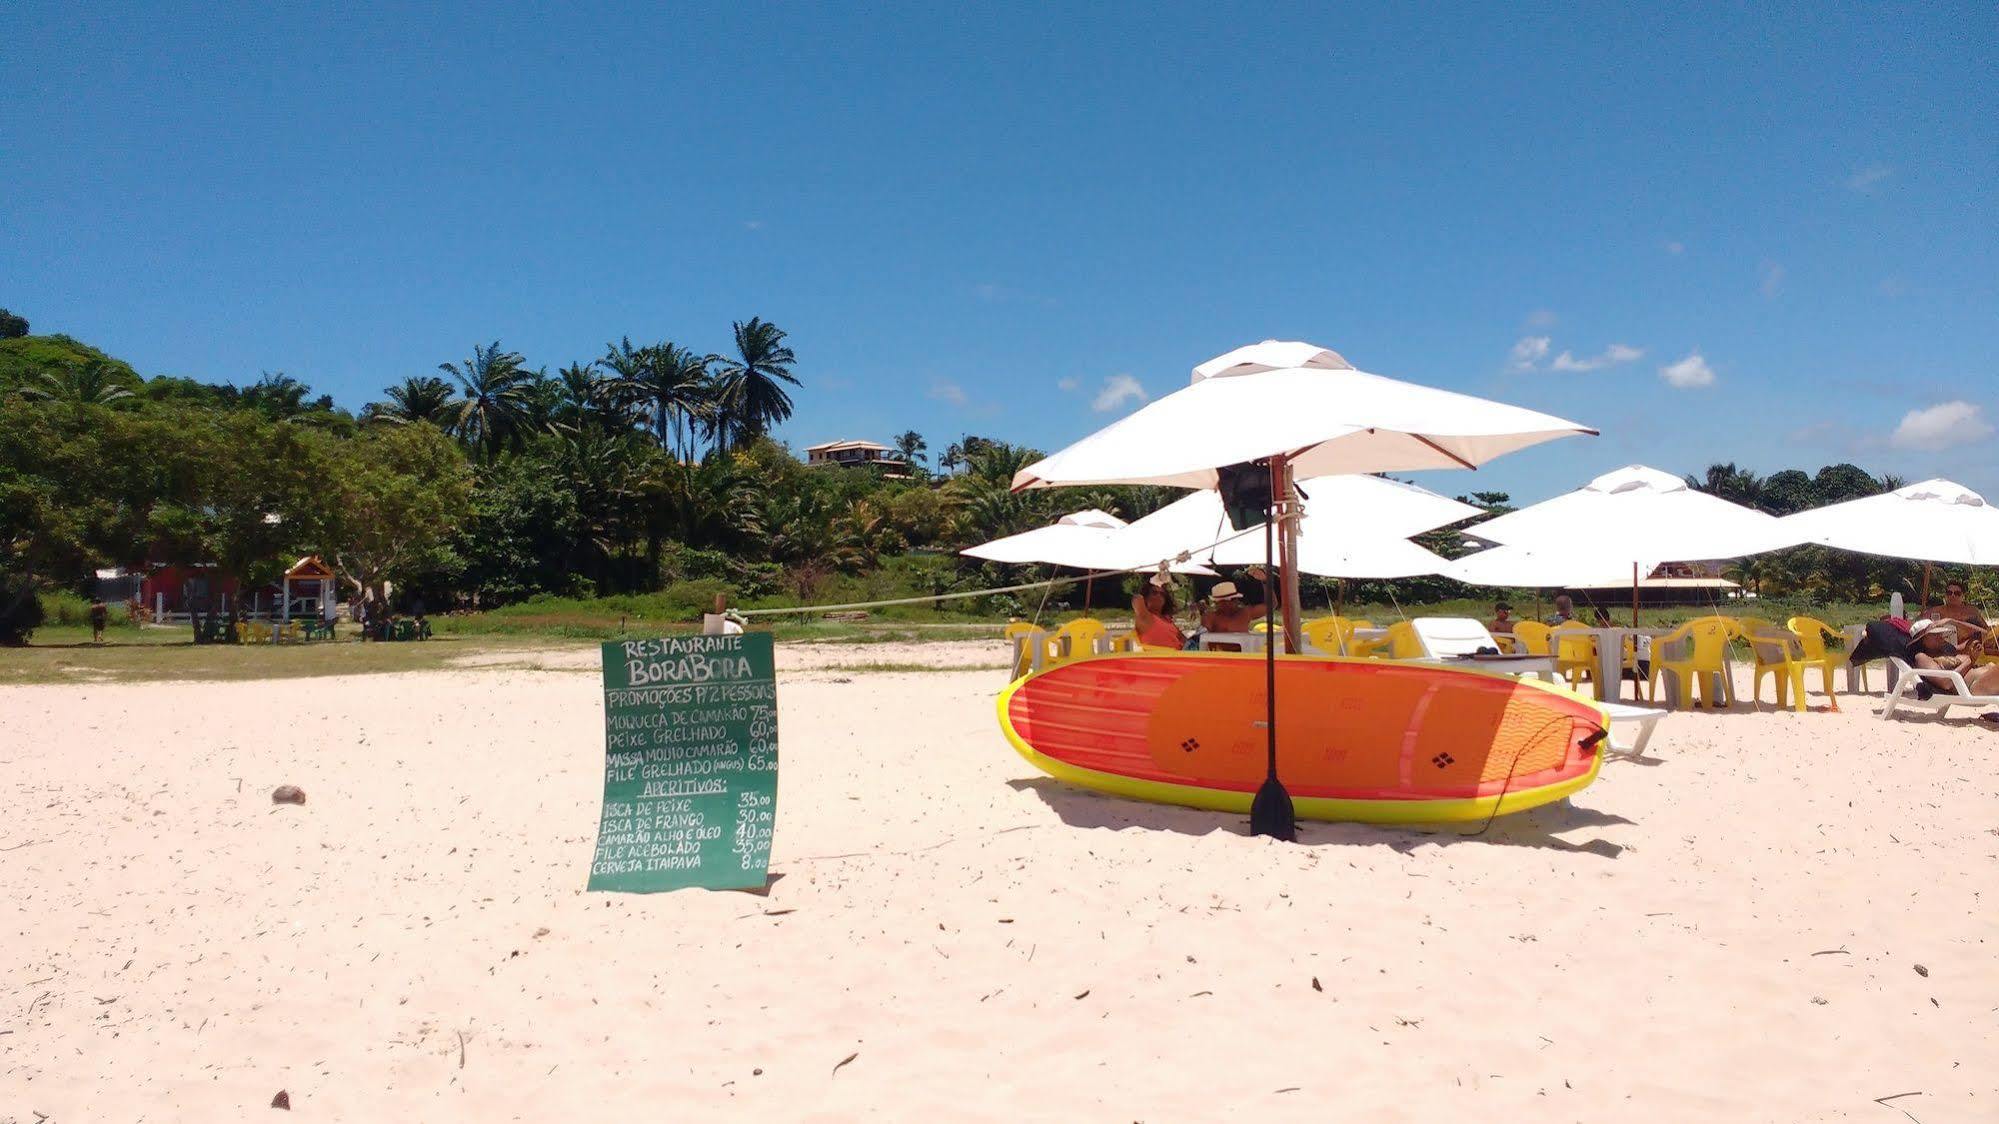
[1232,641]
[1902,691]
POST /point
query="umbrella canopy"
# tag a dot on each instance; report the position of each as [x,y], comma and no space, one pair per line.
[1634,515]
[1934,521]
[1353,527]
[1519,567]
[1301,401]
[1085,540]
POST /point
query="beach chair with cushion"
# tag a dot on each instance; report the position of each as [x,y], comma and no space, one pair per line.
[1948,690]
[1694,654]
[1812,635]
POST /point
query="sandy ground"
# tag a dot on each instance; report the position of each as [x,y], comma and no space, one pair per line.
[1782,919]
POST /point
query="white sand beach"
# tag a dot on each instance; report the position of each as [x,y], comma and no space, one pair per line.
[1780,917]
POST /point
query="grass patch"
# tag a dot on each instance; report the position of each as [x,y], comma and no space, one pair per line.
[170,656]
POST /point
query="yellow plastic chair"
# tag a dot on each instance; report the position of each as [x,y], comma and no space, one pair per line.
[1082,637]
[1778,654]
[1401,643]
[1812,633]
[1575,652]
[1331,635]
[1532,638]
[1023,653]
[1706,643]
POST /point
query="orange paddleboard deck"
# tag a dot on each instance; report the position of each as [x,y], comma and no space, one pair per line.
[1365,740]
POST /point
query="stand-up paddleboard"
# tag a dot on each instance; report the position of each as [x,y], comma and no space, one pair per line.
[1366,740]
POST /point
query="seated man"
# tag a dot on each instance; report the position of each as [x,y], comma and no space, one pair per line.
[1227,611]
[1955,608]
[1502,620]
[1565,611]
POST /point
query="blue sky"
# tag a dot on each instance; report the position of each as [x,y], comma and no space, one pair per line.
[1765,234]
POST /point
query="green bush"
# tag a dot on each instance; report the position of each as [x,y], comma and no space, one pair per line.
[20,610]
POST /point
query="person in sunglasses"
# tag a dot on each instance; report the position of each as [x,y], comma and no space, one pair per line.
[1971,624]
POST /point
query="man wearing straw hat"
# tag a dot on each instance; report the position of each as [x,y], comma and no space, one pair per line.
[1933,647]
[1226,611]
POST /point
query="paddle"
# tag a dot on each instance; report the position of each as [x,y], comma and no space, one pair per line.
[1270,813]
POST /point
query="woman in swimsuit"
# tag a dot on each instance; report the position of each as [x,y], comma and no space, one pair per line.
[1152,618]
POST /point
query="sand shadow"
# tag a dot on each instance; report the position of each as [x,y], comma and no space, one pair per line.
[1081,807]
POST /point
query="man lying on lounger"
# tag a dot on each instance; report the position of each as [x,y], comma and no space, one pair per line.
[1933,647]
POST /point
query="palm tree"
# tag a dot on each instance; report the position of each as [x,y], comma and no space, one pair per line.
[420,398]
[1736,485]
[586,396]
[675,390]
[910,445]
[493,384]
[954,455]
[276,396]
[90,383]
[750,395]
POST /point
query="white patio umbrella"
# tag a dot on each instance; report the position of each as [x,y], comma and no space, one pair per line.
[1933,521]
[1085,540]
[1624,522]
[1352,527]
[1306,411]
[1082,540]
[1304,403]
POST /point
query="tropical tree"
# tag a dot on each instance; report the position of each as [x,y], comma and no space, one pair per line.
[1736,485]
[584,397]
[669,386]
[749,387]
[420,398]
[398,494]
[277,396]
[492,382]
[910,445]
[11,326]
[89,383]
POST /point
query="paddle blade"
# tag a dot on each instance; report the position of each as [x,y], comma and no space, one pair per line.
[1271,812]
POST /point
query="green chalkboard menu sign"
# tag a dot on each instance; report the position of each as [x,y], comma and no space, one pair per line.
[690,764]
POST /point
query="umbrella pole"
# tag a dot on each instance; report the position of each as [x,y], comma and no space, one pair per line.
[1270,812]
[1634,595]
[1282,484]
[1088,582]
[1926,586]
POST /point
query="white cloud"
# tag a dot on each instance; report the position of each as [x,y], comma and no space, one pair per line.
[754,224]
[1614,354]
[944,390]
[1528,351]
[1865,180]
[1118,390]
[1068,386]
[1689,373]
[1942,426]
[1676,248]
[1773,278]
[1541,318]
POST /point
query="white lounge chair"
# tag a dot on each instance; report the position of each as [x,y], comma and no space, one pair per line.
[1444,637]
[1951,690]
[1631,726]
